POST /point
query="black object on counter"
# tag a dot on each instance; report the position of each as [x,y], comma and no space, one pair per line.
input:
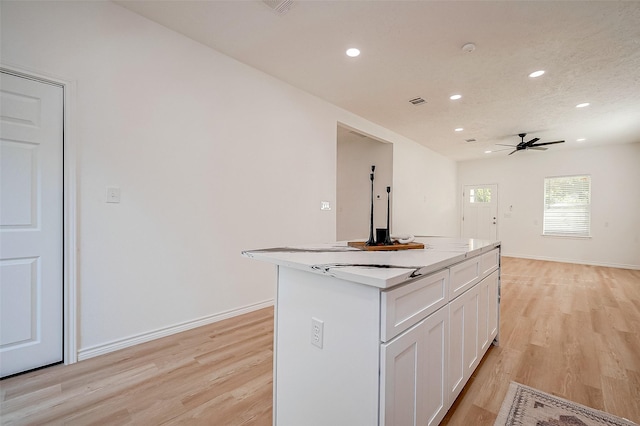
[371,241]
[387,238]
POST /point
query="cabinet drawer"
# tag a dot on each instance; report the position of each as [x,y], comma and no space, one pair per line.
[403,306]
[489,262]
[463,276]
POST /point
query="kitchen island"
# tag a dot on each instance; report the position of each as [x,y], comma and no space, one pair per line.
[380,337]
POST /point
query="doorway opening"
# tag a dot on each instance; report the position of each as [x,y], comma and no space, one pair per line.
[356,153]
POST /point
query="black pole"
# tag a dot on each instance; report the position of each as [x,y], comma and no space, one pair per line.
[371,241]
[387,238]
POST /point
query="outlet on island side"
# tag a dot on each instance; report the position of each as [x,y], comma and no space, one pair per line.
[317,332]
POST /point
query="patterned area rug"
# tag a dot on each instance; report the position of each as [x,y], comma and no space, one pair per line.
[525,406]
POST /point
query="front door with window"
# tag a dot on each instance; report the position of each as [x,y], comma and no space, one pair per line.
[480,212]
[31,230]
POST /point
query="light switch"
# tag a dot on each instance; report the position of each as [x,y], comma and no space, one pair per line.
[325,205]
[113,194]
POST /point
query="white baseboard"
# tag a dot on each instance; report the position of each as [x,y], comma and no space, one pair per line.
[578,262]
[115,345]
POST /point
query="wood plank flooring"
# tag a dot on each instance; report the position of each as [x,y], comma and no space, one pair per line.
[219,374]
[570,330]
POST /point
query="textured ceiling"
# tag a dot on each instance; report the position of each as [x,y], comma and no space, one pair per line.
[590,51]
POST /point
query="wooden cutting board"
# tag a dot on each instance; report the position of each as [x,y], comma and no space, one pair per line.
[362,246]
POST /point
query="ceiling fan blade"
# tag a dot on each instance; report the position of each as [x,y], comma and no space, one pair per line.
[537,148]
[532,141]
[512,151]
[502,144]
[548,143]
[503,149]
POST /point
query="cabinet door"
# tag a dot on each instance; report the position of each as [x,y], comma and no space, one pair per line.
[488,311]
[413,376]
[463,340]
[400,378]
[483,315]
[435,359]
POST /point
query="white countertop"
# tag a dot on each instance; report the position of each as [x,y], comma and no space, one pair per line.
[383,269]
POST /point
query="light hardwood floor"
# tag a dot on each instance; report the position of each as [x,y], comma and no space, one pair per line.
[570,330]
[565,329]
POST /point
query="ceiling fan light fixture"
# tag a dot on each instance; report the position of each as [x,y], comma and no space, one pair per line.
[582,105]
[455,97]
[536,73]
[353,52]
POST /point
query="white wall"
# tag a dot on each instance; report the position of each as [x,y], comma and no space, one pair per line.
[424,190]
[212,157]
[355,156]
[615,202]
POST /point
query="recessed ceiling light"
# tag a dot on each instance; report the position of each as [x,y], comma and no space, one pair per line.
[581,140]
[458,129]
[469,47]
[455,97]
[582,105]
[353,52]
[536,74]
[488,152]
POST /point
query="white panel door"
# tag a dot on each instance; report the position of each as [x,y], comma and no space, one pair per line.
[31,217]
[480,212]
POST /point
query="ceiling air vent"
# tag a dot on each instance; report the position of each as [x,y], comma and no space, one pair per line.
[470,140]
[279,6]
[417,101]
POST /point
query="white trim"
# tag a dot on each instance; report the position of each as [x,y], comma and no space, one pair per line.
[70,227]
[567,236]
[115,345]
[577,262]
[70,285]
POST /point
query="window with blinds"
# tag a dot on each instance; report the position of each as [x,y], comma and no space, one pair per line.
[567,206]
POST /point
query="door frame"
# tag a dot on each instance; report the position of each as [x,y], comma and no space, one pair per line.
[70,208]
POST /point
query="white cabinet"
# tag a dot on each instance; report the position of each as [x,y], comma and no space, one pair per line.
[406,304]
[488,310]
[463,276]
[489,262]
[473,324]
[463,340]
[424,369]
[413,374]
[394,356]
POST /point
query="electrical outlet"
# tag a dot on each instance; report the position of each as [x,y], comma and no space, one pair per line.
[317,332]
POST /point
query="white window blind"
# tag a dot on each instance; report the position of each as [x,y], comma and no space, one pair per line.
[567,206]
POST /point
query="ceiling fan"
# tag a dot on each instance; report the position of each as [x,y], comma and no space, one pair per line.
[530,144]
